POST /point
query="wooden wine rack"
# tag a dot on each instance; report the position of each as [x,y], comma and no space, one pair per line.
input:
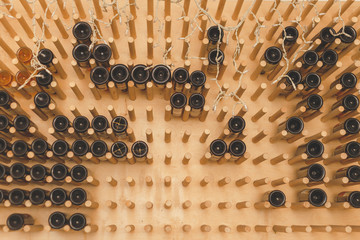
[168,221]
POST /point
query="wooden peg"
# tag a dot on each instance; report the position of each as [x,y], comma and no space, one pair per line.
[167,228]
[7,26]
[237,9]
[186,113]
[299,182]
[186,158]
[24,25]
[319,228]
[204,44]
[339,228]
[256,49]
[92,181]
[150,26]
[186,204]
[255,9]
[77,70]
[261,158]
[301,228]
[205,204]
[76,90]
[205,181]
[8,49]
[33,228]
[262,228]
[259,114]
[132,50]
[27,8]
[224,205]
[244,204]
[205,158]
[168,157]
[224,228]
[279,158]
[80,9]
[129,204]
[167,135]
[205,228]
[204,135]
[111,227]
[149,135]
[283,229]
[131,112]
[243,228]
[280,181]
[168,204]
[258,69]
[252,35]
[259,91]
[148,228]
[262,181]
[224,181]
[202,27]
[167,27]
[129,228]
[114,29]
[149,205]
[59,47]
[243,181]
[60,27]
[186,181]
[130,181]
[222,114]
[278,114]
[148,181]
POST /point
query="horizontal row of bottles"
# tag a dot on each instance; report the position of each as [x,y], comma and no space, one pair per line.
[38,196]
[59,150]
[39,172]
[57,220]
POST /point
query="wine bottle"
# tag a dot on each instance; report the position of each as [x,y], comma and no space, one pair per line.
[17,221]
[196,103]
[81,125]
[60,148]
[119,125]
[140,75]
[119,151]
[314,172]
[312,103]
[218,149]
[197,80]
[120,75]
[180,77]
[102,54]
[57,220]
[59,172]
[58,196]
[82,54]
[215,57]
[236,125]
[316,197]
[100,124]
[38,196]
[100,76]
[82,31]
[78,196]
[272,56]
[80,148]
[139,149]
[78,173]
[276,198]
[161,75]
[351,197]
[351,172]
[178,102]
[39,173]
[313,149]
[215,35]
[45,57]
[99,149]
[237,149]
[77,221]
[18,196]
